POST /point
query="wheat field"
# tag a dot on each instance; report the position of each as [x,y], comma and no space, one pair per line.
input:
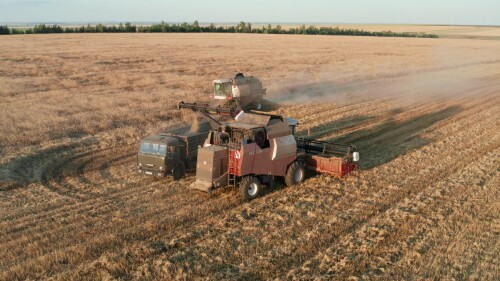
[443,31]
[424,114]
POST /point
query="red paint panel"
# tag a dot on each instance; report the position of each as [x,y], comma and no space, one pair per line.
[334,166]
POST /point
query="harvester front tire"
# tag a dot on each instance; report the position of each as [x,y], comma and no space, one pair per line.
[295,174]
[178,172]
[250,188]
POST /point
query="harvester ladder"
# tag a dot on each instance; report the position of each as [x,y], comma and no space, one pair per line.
[233,163]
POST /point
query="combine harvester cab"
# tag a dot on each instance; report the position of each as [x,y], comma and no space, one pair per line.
[246,92]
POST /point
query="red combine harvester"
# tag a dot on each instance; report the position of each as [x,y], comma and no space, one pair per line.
[256,148]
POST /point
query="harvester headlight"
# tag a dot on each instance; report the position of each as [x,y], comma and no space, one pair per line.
[355,156]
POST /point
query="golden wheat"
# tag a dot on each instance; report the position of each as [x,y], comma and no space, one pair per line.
[422,112]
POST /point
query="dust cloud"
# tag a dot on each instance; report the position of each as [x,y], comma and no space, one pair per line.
[195,126]
[448,77]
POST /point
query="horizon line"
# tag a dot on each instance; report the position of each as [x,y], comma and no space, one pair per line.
[235,22]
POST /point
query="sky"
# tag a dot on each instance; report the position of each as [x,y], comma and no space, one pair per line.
[460,12]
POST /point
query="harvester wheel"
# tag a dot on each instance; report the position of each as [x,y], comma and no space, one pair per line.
[179,171]
[250,188]
[295,174]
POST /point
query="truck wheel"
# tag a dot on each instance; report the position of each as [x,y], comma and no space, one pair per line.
[250,188]
[179,172]
[295,174]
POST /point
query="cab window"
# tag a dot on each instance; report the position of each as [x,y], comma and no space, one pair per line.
[153,148]
[162,149]
[222,89]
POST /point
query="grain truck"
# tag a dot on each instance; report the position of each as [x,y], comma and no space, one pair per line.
[173,152]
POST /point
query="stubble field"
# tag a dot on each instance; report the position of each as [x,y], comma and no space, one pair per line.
[422,112]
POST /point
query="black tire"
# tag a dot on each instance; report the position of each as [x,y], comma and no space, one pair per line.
[178,172]
[295,174]
[250,188]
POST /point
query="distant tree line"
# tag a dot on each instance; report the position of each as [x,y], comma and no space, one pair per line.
[4,30]
[185,27]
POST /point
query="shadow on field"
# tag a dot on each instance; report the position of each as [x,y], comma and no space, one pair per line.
[386,141]
[329,128]
[46,164]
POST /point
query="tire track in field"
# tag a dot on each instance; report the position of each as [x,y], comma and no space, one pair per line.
[16,227]
[345,231]
[469,214]
[355,226]
[93,208]
[479,216]
[60,210]
[398,229]
[104,207]
[101,154]
[134,227]
[30,221]
[424,182]
[49,164]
